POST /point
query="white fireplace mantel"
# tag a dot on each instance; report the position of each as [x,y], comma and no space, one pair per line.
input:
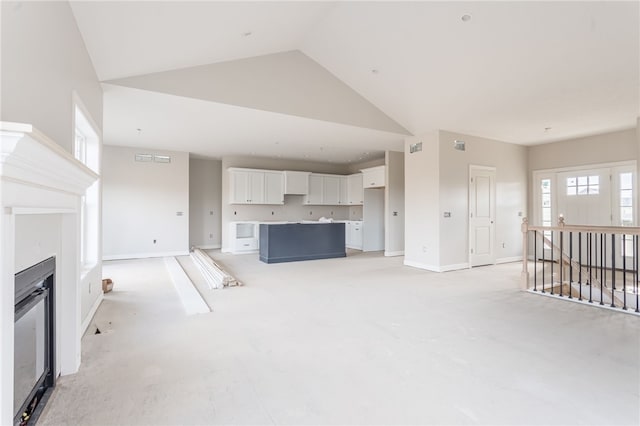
[37,176]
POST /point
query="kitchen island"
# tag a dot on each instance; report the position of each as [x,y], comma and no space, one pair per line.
[290,242]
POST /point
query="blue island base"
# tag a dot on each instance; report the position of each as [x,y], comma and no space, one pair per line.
[291,242]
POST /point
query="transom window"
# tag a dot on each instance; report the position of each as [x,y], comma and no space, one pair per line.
[583,185]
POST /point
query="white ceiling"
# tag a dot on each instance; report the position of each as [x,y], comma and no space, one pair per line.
[511,71]
[215,130]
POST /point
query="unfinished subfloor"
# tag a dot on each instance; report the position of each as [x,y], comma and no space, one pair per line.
[358,340]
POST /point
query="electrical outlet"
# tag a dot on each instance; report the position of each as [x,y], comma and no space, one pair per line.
[424,249]
[502,245]
[210,235]
[211,213]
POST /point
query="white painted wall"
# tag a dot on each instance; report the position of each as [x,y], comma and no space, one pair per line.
[141,201]
[510,162]
[422,203]
[604,148]
[394,204]
[43,60]
[205,198]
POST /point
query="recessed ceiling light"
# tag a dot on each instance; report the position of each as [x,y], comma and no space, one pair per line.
[466,17]
[247,34]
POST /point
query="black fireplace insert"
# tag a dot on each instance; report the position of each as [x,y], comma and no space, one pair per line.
[34,342]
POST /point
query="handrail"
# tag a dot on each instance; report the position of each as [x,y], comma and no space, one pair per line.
[626,230]
[604,258]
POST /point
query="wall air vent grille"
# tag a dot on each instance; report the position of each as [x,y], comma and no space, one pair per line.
[144,158]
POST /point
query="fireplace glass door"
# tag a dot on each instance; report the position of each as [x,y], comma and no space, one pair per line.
[33,340]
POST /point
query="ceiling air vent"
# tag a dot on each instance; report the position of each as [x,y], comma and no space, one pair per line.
[415,147]
[459,145]
[161,158]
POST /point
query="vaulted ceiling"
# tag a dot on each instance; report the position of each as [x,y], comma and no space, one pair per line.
[335,80]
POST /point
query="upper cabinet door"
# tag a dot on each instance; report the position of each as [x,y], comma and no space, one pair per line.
[256,188]
[315,190]
[373,177]
[296,183]
[239,190]
[344,191]
[355,190]
[273,188]
[331,190]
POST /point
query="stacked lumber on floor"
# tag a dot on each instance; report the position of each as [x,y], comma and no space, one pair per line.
[214,275]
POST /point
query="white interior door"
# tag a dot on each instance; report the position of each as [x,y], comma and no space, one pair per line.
[482,206]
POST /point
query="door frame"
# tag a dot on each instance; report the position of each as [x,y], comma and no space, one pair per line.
[552,173]
[472,168]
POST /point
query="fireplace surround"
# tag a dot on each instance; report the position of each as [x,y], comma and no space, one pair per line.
[40,182]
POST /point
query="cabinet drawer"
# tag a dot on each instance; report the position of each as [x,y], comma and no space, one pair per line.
[246,244]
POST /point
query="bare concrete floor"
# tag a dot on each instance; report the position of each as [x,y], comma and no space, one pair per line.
[361,340]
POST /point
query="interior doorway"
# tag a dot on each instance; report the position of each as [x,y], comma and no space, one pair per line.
[482,207]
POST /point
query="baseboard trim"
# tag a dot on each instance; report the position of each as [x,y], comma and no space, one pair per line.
[432,268]
[394,253]
[508,259]
[92,312]
[454,267]
[209,247]
[420,265]
[145,255]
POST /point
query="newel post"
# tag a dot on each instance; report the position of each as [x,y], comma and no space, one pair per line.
[524,278]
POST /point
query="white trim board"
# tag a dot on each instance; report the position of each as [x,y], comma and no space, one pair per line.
[394,253]
[454,267]
[508,259]
[145,255]
[420,265]
[191,299]
[209,247]
[92,312]
[432,268]
[583,302]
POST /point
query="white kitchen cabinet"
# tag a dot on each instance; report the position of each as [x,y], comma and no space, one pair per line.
[273,188]
[344,191]
[314,197]
[244,237]
[373,177]
[325,190]
[355,190]
[248,186]
[353,236]
[331,190]
[296,183]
